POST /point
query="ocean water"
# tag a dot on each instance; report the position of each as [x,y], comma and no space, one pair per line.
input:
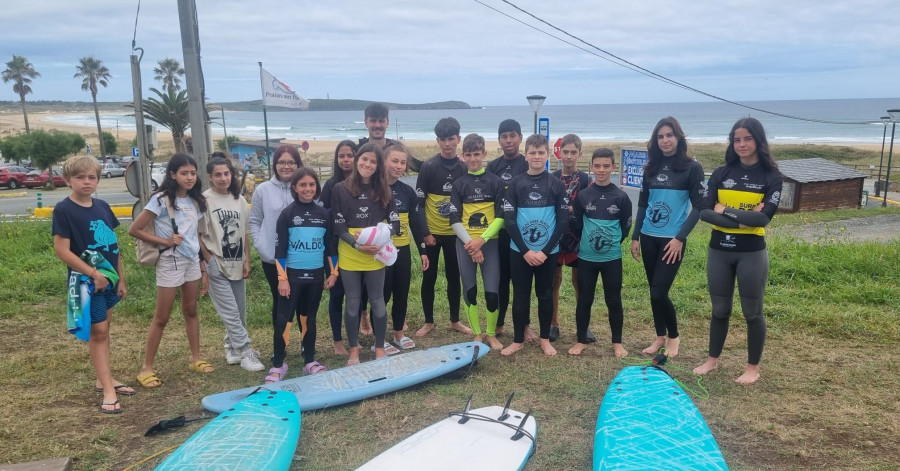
[703,122]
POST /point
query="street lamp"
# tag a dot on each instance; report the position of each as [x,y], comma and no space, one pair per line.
[535,101]
[895,115]
[221,109]
[885,120]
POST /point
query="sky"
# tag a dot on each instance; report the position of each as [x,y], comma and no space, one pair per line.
[415,51]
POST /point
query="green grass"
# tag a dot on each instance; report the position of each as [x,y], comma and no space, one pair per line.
[827,399]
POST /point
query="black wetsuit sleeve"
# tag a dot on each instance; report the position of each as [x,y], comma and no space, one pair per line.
[643,201]
[509,218]
[625,219]
[421,181]
[456,202]
[330,241]
[417,224]
[562,215]
[708,213]
[325,197]
[770,205]
[696,188]
[281,232]
[340,221]
[712,217]
[577,216]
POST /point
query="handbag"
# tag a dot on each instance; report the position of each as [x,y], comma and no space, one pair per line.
[148,252]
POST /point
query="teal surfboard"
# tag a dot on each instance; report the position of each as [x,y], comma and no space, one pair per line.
[260,432]
[646,421]
[365,380]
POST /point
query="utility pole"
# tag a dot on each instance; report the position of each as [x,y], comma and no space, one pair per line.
[143,150]
[193,74]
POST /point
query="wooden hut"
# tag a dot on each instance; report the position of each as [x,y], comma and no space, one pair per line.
[814,184]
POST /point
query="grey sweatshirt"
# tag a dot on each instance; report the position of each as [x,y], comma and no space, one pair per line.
[269,199]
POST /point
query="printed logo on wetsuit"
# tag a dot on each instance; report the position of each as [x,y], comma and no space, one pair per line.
[506,176]
[534,196]
[728,242]
[339,219]
[658,215]
[420,193]
[276,239]
[590,207]
[364,214]
[448,187]
[776,197]
[316,221]
[443,208]
[393,216]
[600,240]
[662,177]
[507,206]
[613,209]
[452,208]
[298,220]
[536,232]
[362,196]
[478,191]
[729,183]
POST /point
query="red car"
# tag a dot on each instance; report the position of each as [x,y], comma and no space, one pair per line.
[36,178]
[12,176]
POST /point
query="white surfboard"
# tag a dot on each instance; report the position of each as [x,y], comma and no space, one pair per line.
[494,438]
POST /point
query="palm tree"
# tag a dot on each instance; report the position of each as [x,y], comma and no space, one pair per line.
[20,72]
[92,72]
[168,73]
[169,111]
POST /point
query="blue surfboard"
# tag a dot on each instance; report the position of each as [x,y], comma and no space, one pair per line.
[646,421]
[260,432]
[365,380]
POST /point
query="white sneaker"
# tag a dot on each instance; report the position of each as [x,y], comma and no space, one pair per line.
[250,360]
[389,349]
[232,356]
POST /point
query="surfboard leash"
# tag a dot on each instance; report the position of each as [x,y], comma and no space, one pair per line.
[661,360]
[466,415]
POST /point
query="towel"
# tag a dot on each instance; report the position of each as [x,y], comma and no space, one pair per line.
[80,288]
[379,235]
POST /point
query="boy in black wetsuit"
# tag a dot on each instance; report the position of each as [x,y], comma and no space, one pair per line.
[433,189]
[536,212]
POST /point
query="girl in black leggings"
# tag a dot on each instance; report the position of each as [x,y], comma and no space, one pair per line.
[668,209]
[743,196]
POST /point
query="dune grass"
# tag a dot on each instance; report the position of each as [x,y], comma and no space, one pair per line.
[826,400]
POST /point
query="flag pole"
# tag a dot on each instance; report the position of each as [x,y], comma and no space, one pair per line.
[265,118]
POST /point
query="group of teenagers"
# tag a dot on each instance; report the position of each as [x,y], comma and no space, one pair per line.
[511,218]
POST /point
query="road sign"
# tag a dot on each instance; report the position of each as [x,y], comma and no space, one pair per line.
[135,152]
[544,127]
[556,148]
[88,150]
[632,172]
[304,145]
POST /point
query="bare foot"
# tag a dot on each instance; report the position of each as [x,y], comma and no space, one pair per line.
[500,330]
[750,376]
[478,338]
[619,350]
[547,348]
[428,327]
[459,327]
[379,353]
[530,336]
[655,346]
[354,356]
[512,348]
[494,343]
[672,347]
[710,364]
[577,349]
[405,326]
[365,328]
[339,348]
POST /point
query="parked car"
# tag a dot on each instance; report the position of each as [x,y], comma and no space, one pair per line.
[36,178]
[157,175]
[12,176]
[112,170]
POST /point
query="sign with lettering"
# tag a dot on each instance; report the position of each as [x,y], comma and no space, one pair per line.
[632,168]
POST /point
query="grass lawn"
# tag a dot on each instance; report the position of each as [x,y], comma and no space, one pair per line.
[826,399]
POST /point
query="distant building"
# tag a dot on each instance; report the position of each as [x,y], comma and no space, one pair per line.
[249,152]
[816,184]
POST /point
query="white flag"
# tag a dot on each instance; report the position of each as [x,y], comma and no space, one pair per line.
[277,93]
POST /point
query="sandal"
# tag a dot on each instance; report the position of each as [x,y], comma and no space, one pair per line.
[313,368]
[389,349]
[111,411]
[353,362]
[405,343]
[200,366]
[120,389]
[277,374]
[148,379]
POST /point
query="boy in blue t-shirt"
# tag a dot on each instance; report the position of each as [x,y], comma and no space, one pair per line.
[81,223]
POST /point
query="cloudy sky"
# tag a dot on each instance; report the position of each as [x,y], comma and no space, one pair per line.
[412,51]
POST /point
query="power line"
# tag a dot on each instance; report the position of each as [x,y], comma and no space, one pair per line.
[610,57]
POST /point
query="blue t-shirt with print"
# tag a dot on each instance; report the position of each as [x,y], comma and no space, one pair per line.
[88,228]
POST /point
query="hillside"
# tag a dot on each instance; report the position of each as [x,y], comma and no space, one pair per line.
[315,104]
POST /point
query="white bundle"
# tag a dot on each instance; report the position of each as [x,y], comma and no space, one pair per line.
[379,235]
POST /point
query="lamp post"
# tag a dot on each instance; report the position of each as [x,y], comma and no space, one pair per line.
[895,114]
[885,120]
[221,109]
[535,101]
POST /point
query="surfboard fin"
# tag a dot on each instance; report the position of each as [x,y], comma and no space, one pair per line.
[465,412]
[505,414]
[520,430]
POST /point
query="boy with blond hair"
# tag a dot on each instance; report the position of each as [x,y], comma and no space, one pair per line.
[84,239]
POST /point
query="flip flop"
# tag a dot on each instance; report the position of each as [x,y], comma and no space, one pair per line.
[147,379]
[120,389]
[110,411]
[405,343]
[313,368]
[200,366]
[353,362]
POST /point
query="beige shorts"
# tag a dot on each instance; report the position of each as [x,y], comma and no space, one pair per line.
[172,271]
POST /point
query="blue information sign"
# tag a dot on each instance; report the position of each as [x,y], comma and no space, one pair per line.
[135,152]
[633,161]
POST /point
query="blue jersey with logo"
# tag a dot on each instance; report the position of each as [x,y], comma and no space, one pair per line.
[536,212]
[667,198]
[603,220]
[303,236]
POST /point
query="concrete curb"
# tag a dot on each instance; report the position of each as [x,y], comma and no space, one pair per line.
[118,210]
[14,195]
